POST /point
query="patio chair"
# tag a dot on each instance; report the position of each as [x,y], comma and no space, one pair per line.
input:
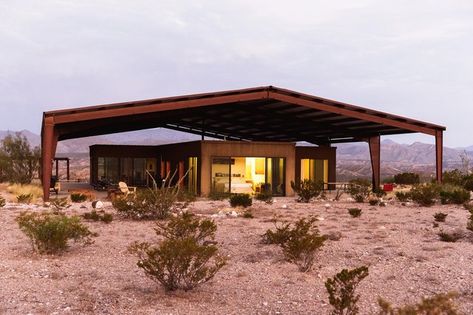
[54,185]
[125,189]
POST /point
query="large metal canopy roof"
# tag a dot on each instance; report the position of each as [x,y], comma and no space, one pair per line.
[255,114]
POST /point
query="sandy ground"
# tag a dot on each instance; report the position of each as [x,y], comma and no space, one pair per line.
[399,244]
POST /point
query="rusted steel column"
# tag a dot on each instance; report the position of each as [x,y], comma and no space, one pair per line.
[48,150]
[68,170]
[375,155]
[439,155]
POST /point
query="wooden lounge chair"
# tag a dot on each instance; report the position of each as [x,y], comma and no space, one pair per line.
[54,185]
[125,189]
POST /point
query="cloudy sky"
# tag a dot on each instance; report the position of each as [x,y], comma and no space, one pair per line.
[413,58]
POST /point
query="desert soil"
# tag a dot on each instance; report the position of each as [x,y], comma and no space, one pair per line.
[406,260]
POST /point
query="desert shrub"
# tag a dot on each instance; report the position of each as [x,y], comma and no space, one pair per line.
[453,194]
[2,202]
[388,180]
[341,289]
[98,216]
[407,178]
[403,196]
[454,177]
[240,200]
[264,196]
[307,189]
[440,216]
[19,163]
[78,197]
[439,304]
[185,258]
[355,212]
[24,198]
[373,201]
[359,189]
[425,195]
[148,204]
[451,237]
[59,204]
[379,193]
[303,242]
[248,214]
[49,233]
[279,236]
[216,195]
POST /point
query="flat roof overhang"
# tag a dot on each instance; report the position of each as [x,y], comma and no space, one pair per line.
[255,114]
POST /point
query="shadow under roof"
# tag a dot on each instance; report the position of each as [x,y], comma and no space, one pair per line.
[255,114]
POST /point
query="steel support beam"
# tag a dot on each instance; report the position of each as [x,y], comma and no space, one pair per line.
[439,155]
[48,150]
[375,155]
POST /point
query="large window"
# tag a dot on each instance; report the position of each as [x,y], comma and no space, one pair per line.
[130,170]
[192,178]
[248,175]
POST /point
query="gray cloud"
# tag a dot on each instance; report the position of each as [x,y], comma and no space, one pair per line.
[411,58]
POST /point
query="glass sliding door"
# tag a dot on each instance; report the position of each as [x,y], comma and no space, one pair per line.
[139,171]
[315,170]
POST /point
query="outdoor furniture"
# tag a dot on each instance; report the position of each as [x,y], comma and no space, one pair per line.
[125,189]
[54,185]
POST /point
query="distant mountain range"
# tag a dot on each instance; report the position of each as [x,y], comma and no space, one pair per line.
[352,158]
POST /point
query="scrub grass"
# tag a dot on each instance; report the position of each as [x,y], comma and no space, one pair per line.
[35,190]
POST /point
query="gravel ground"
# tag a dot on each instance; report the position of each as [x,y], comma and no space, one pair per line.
[399,244]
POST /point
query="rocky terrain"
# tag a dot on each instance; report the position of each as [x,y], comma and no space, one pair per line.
[399,244]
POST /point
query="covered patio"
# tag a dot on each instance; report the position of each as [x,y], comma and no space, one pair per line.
[256,114]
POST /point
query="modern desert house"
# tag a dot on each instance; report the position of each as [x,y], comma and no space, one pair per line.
[257,128]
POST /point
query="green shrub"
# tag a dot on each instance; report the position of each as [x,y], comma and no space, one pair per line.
[307,189]
[359,189]
[215,195]
[98,216]
[2,202]
[240,200]
[453,194]
[439,304]
[185,258]
[264,196]
[49,233]
[379,193]
[425,195]
[407,178]
[341,289]
[355,212]
[468,182]
[451,237]
[440,216]
[59,204]
[24,198]
[19,163]
[403,196]
[78,197]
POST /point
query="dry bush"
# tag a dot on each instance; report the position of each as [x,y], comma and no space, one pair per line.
[98,216]
[24,198]
[59,204]
[359,189]
[78,197]
[2,202]
[450,237]
[450,194]
[439,304]
[49,233]
[425,195]
[185,258]
[35,190]
[341,289]
[403,196]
